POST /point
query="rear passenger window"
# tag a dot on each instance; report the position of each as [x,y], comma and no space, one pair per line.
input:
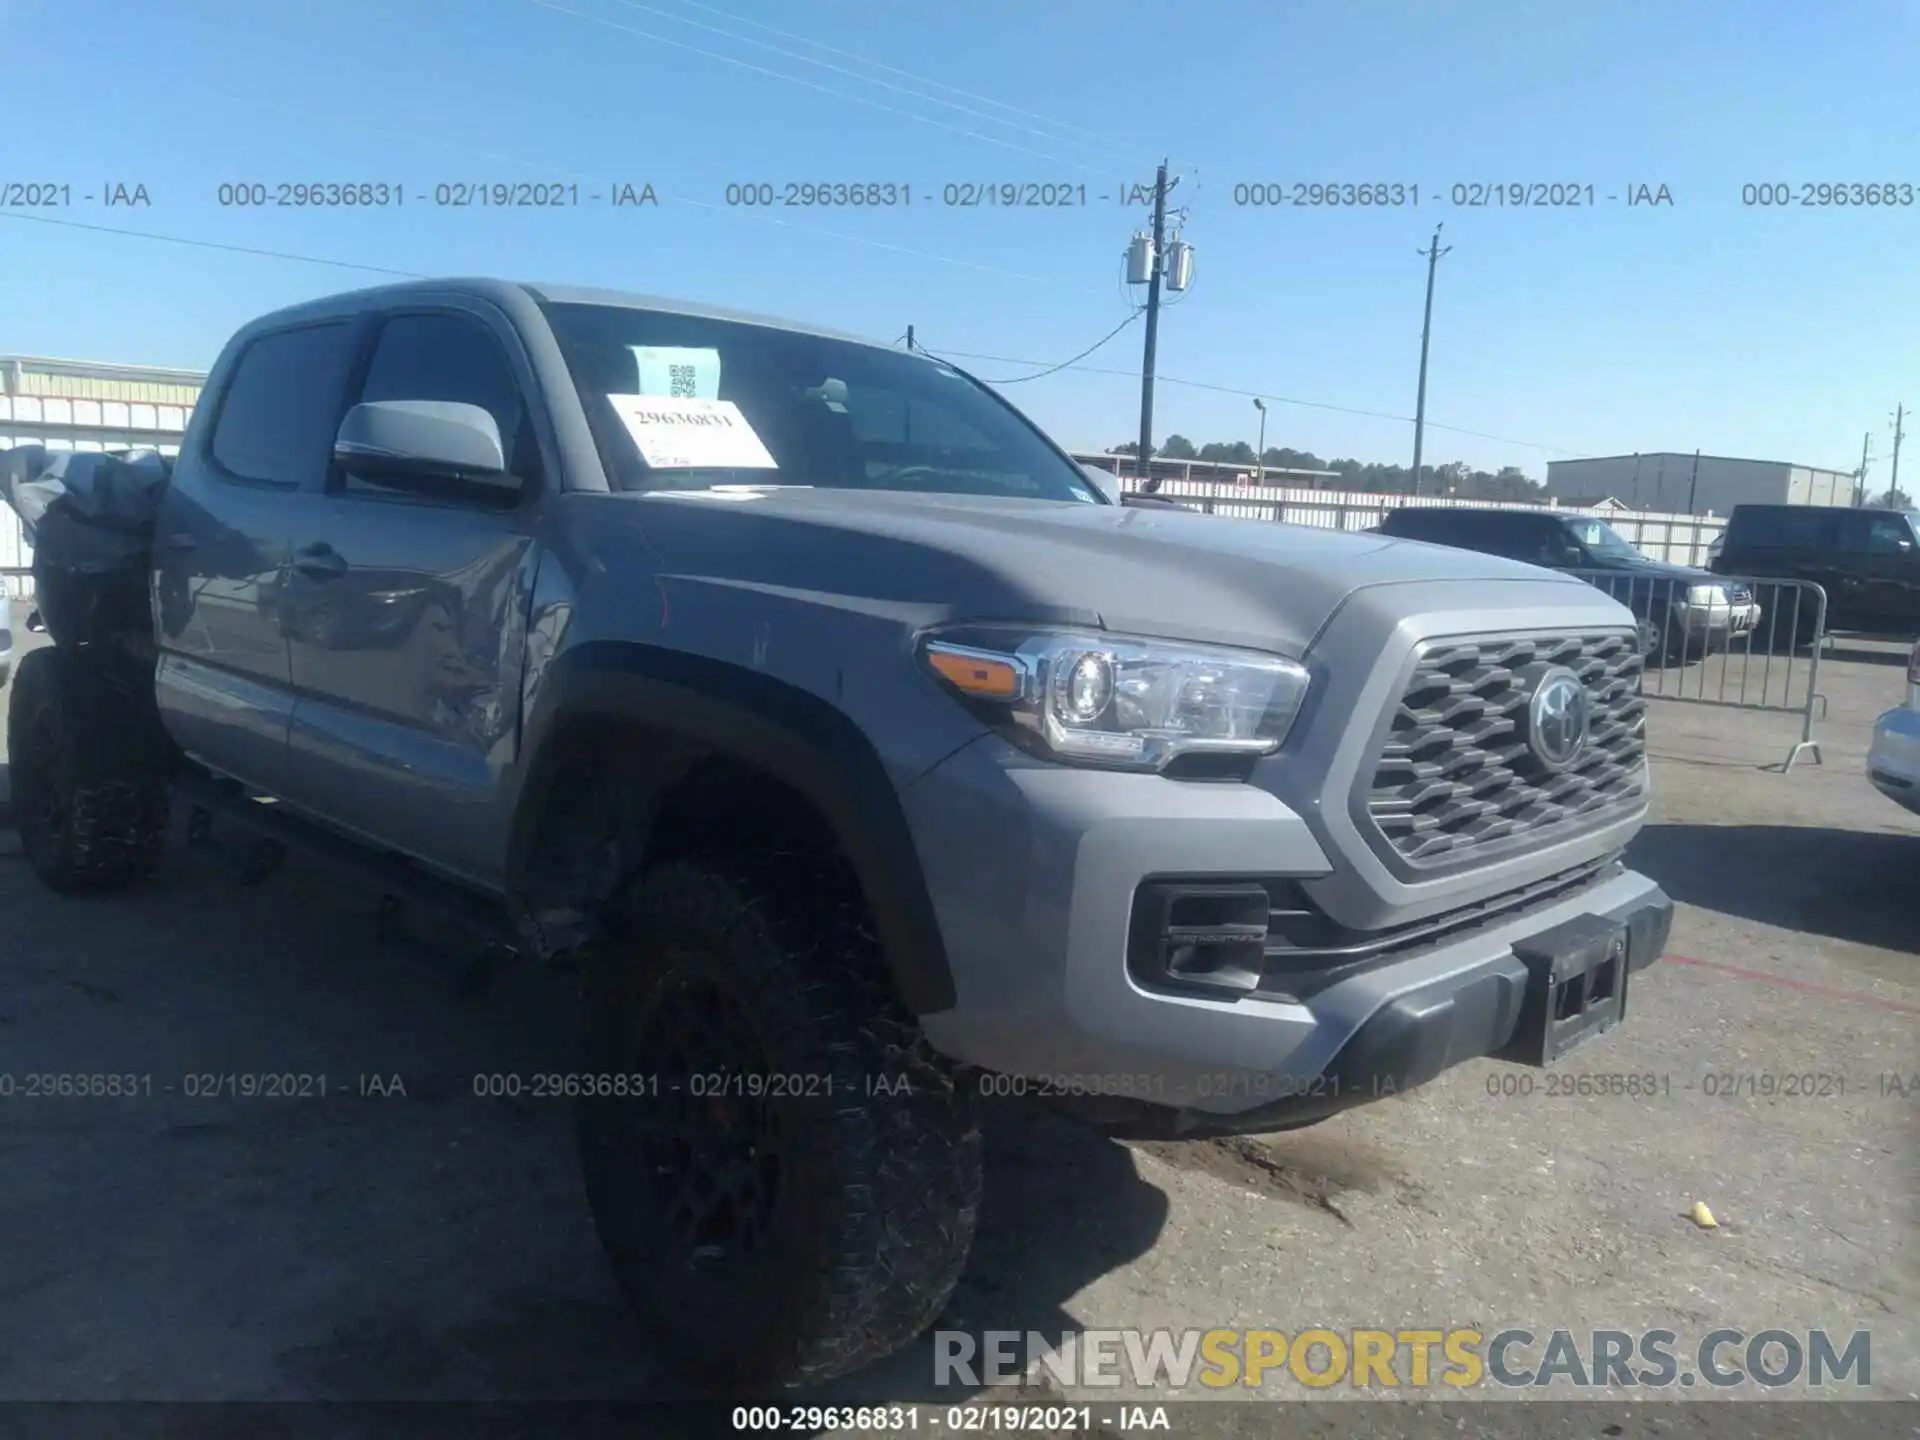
[1875,534]
[1778,527]
[278,416]
[1522,537]
[1418,522]
[448,357]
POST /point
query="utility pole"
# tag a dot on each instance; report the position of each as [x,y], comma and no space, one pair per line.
[1693,485]
[1899,417]
[1260,455]
[1433,254]
[1156,259]
[1860,476]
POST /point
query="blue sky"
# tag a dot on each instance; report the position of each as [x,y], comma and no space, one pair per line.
[1783,333]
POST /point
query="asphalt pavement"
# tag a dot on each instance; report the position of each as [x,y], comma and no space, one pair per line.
[400,1237]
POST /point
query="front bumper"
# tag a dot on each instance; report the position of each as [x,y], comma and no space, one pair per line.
[1412,1038]
[1718,620]
[1036,871]
[1893,760]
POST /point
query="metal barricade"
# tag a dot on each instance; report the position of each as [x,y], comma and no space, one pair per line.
[16,582]
[1252,505]
[1734,641]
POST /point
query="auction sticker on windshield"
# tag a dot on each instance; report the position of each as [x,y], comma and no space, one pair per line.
[682,434]
[675,370]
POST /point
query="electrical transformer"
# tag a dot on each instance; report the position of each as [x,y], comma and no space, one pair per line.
[1179,265]
[1140,259]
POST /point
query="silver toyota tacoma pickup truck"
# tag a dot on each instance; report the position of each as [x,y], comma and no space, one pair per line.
[858,754]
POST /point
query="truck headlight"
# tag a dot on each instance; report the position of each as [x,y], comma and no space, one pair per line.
[1708,596]
[1100,699]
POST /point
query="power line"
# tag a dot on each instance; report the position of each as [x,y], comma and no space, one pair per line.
[991,119]
[1064,364]
[809,84]
[867,241]
[1274,399]
[419,275]
[1073,364]
[213,245]
[549,169]
[735,212]
[896,70]
[563,172]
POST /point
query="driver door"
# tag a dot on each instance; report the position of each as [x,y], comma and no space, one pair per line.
[1877,584]
[406,611]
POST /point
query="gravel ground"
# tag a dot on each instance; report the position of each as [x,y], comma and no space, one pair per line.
[433,1245]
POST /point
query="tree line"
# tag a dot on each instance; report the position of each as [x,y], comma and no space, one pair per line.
[1457,478]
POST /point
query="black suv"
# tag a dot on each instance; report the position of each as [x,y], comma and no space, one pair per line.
[1684,613]
[1868,561]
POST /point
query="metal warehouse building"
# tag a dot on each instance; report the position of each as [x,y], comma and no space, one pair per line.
[1669,481]
[83,405]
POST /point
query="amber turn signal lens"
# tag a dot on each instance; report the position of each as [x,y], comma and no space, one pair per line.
[974,674]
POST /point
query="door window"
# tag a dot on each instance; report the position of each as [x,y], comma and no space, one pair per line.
[1864,534]
[278,416]
[1777,527]
[1433,524]
[446,357]
[1535,540]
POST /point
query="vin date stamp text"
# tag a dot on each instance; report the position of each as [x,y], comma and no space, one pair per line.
[1707,1085]
[439,195]
[194,1085]
[64,195]
[1831,194]
[1459,195]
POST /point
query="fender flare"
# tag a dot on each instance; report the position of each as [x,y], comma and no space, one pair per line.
[793,735]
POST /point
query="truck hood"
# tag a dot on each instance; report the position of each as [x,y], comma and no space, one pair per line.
[1167,573]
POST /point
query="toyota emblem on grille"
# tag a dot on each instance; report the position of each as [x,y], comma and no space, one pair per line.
[1557,718]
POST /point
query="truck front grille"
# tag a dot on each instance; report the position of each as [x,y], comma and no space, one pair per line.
[1456,781]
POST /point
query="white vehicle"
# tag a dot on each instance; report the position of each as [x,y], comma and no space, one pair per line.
[1893,764]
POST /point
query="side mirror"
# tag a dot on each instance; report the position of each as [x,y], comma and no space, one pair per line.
[401,440]
[1105,481]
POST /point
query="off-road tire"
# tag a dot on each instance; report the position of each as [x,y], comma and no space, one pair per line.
[878,1175]
[89,766]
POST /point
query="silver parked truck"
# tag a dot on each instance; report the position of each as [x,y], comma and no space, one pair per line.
[859,756]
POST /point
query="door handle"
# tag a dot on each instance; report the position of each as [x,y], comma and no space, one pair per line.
[319,561]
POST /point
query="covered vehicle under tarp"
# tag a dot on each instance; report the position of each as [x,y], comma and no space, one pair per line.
[89,518]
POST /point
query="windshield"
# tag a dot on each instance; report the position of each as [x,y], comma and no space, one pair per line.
[683,402]
[1602,539]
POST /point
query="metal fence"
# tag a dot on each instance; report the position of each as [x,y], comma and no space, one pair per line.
[16,582]
[1679,539]
[1736,642]
[16,556]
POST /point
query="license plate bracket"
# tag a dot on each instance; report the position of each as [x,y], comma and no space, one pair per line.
[1576,988]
